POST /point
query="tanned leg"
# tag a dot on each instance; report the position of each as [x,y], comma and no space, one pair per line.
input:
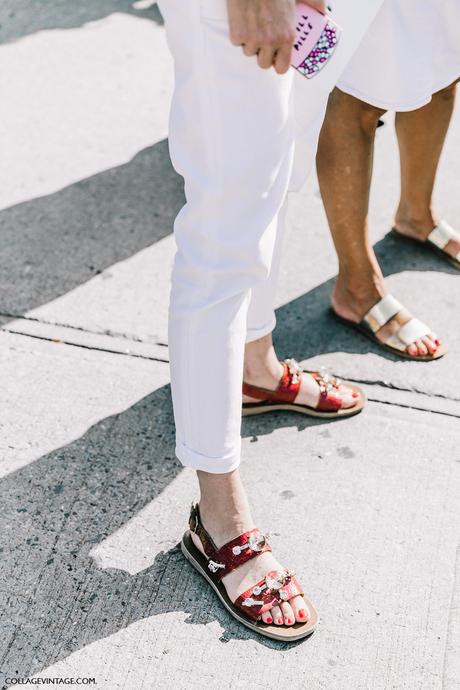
[344,163]
[421,135]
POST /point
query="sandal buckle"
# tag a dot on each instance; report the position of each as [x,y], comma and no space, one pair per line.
[214,567]
[252,602]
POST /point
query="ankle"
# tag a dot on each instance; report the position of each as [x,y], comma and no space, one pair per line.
[359,286]
[418,219]
[352,297]
[261,366]
[224,508]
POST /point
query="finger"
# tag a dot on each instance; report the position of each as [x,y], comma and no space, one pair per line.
[319,5]
[265,57]
[250,49]
[283,59]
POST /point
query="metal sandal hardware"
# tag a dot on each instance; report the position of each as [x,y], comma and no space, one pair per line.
[214,567]
[252,602]
[255,543]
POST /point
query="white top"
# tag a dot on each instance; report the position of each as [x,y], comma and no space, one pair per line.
[411,50]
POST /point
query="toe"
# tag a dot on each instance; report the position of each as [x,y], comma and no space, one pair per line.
[346,396]
[412,350]
[430,344]
[277,615]
[300,609]
[288,613]
[421,347]
[267,617]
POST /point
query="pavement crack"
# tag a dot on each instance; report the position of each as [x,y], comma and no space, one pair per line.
[108,332]
[86,347]
[391,386]
[414,407]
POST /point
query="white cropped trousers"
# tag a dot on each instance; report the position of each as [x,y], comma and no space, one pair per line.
[232,134]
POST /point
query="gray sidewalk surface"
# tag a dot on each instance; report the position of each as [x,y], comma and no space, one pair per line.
[92,582]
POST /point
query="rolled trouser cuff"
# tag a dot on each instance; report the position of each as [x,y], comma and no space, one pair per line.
[256,333]
[206,463]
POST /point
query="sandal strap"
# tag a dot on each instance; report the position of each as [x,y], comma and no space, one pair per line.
[276,587]
[233,554]
[411,331]
[288,387]
[381,313]
[327,385]
[442,234]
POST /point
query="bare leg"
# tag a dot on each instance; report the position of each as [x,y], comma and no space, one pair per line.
[225,513]
[262,368]
[419,163]
[344,162]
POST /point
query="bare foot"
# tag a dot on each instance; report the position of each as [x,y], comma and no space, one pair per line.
[419,230]
[353,303]
[225,515]
[259,372]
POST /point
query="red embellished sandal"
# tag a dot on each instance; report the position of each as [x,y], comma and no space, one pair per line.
[276,587]
[283,398]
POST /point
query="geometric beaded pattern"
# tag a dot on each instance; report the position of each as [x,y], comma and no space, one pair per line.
[321,53]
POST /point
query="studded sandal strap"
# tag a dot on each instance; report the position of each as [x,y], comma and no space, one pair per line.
[231,555]
[329,398]
[287,389]
[276,587]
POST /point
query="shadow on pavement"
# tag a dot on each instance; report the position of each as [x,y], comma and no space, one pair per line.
[53,244]
[57,508]
[305,327]
[23,17]
[55,599]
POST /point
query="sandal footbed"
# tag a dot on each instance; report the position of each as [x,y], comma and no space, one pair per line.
[429,246]
[292,633]
[440,352]
[269,406]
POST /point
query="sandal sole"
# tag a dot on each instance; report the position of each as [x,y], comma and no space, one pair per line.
[294,633]
[260,408]
[429,246]
[398,353]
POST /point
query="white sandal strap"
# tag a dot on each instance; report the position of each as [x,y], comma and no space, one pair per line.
[382,312]
[408,334]
[442,234]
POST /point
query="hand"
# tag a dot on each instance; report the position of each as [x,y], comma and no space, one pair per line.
[265,28]
[320,5]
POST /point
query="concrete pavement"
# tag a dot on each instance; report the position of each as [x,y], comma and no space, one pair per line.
[92,583]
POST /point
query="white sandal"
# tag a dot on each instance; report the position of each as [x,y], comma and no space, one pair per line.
[437,241]
[380,314]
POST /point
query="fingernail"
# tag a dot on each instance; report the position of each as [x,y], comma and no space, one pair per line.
[302,613]
[269,620]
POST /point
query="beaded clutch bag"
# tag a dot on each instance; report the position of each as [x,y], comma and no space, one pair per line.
[317,36]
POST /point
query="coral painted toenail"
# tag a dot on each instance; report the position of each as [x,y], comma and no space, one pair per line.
[437,341]
[356,395]
[302,613]
[269,620]
[279,621]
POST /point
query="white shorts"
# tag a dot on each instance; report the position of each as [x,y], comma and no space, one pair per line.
[411,50]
